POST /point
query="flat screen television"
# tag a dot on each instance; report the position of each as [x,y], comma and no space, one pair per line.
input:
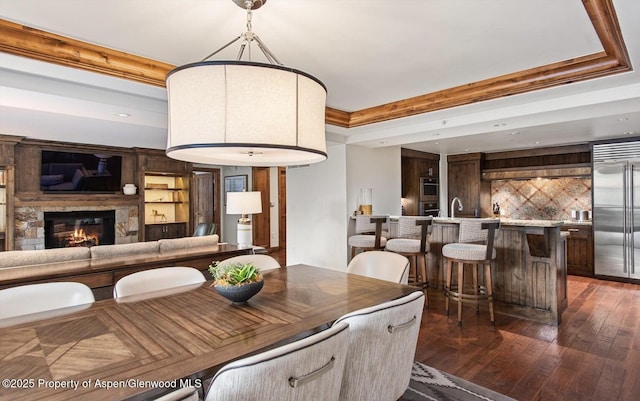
[73,172]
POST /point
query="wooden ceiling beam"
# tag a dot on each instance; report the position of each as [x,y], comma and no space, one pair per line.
[33,43]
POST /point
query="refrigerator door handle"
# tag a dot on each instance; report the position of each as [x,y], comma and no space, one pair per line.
[625,219]
[632,225]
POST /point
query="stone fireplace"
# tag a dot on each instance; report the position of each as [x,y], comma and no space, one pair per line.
[30,226]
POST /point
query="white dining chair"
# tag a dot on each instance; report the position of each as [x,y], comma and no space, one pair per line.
[307,369]
[34,298]
[382,265]
[382,345]
[260,261]
[156,279]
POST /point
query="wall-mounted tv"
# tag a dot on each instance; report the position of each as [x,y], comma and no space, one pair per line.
[80,172]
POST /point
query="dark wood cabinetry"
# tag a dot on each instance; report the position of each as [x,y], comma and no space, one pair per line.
[464,181]
[417,165]
[579,250]
[154,232]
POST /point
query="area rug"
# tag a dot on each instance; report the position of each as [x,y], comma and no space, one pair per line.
[430,384]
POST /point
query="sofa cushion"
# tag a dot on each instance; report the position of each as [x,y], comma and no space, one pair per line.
[25,258]
[51,179]
[179,244]
[119,250]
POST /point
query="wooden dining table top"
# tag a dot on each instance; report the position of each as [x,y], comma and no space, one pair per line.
[132,348]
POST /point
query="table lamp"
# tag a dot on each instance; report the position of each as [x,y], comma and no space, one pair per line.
[244,203]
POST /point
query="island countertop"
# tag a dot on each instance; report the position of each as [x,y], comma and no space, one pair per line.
[507,222]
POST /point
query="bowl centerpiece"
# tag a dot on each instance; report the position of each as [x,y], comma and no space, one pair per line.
[236,281]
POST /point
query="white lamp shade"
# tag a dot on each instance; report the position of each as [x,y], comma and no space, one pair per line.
[245,114]
[244,202]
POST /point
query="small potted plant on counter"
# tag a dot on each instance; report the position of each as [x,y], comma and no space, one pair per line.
[236,281]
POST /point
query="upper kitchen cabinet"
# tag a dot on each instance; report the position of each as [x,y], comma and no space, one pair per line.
[416,167]
[464,181]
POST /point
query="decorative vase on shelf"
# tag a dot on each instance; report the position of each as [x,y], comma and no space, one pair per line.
[129,189]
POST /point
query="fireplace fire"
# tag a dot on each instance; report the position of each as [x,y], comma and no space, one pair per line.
[79,228]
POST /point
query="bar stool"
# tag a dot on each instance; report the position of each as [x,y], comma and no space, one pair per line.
[475,256]
[369,234]
[412,242]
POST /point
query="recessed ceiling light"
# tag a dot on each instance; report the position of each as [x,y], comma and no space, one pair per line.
[629,132]
[499,125]
[537,142]
[623,119]
[123,115]
[383,142]
[515,133]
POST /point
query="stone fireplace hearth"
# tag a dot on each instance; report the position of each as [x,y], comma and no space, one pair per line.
[30,225]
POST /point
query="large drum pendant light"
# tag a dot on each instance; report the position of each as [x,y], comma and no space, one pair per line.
[245,113]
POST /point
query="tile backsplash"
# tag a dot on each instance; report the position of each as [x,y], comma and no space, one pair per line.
[542,198]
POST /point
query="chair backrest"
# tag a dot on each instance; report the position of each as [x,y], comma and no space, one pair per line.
[382,345]
[205,229]
[479,230]
[307,369]
[415,227]
[260,261]
[369,224]
[34,298]
[156,280]
[382,265]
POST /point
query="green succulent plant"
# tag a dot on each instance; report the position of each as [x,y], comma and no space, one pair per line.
[234,273]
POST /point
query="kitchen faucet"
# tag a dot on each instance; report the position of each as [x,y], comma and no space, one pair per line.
[453,202]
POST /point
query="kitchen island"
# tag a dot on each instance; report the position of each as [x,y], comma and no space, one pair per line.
[529,272]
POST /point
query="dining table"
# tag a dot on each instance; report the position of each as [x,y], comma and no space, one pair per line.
[140,347]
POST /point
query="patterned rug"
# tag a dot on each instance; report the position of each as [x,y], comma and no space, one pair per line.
[430,384]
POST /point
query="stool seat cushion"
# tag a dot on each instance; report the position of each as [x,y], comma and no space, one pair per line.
[405,245]
[365,241]
[466,251]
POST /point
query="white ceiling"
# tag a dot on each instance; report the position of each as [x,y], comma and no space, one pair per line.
[366,52]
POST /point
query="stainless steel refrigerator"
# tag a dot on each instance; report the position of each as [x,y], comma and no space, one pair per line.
[616,209]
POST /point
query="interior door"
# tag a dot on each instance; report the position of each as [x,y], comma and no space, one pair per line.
[205,193]
[262,221]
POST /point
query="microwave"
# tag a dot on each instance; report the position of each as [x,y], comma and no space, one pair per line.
[428,189]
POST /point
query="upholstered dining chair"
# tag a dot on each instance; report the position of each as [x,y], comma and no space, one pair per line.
[34,298]
[307,369]
[474,251]
[411,241]
[382,345]
[371,233]
[382,265]
[162,278]
[260,261]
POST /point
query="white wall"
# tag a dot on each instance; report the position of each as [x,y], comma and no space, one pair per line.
[274,225]
[316,212]
[378,169]
[321,199]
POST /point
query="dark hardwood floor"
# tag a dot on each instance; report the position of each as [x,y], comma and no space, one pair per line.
[594,354]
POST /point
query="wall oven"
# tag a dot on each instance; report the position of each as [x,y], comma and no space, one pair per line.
[428,189]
